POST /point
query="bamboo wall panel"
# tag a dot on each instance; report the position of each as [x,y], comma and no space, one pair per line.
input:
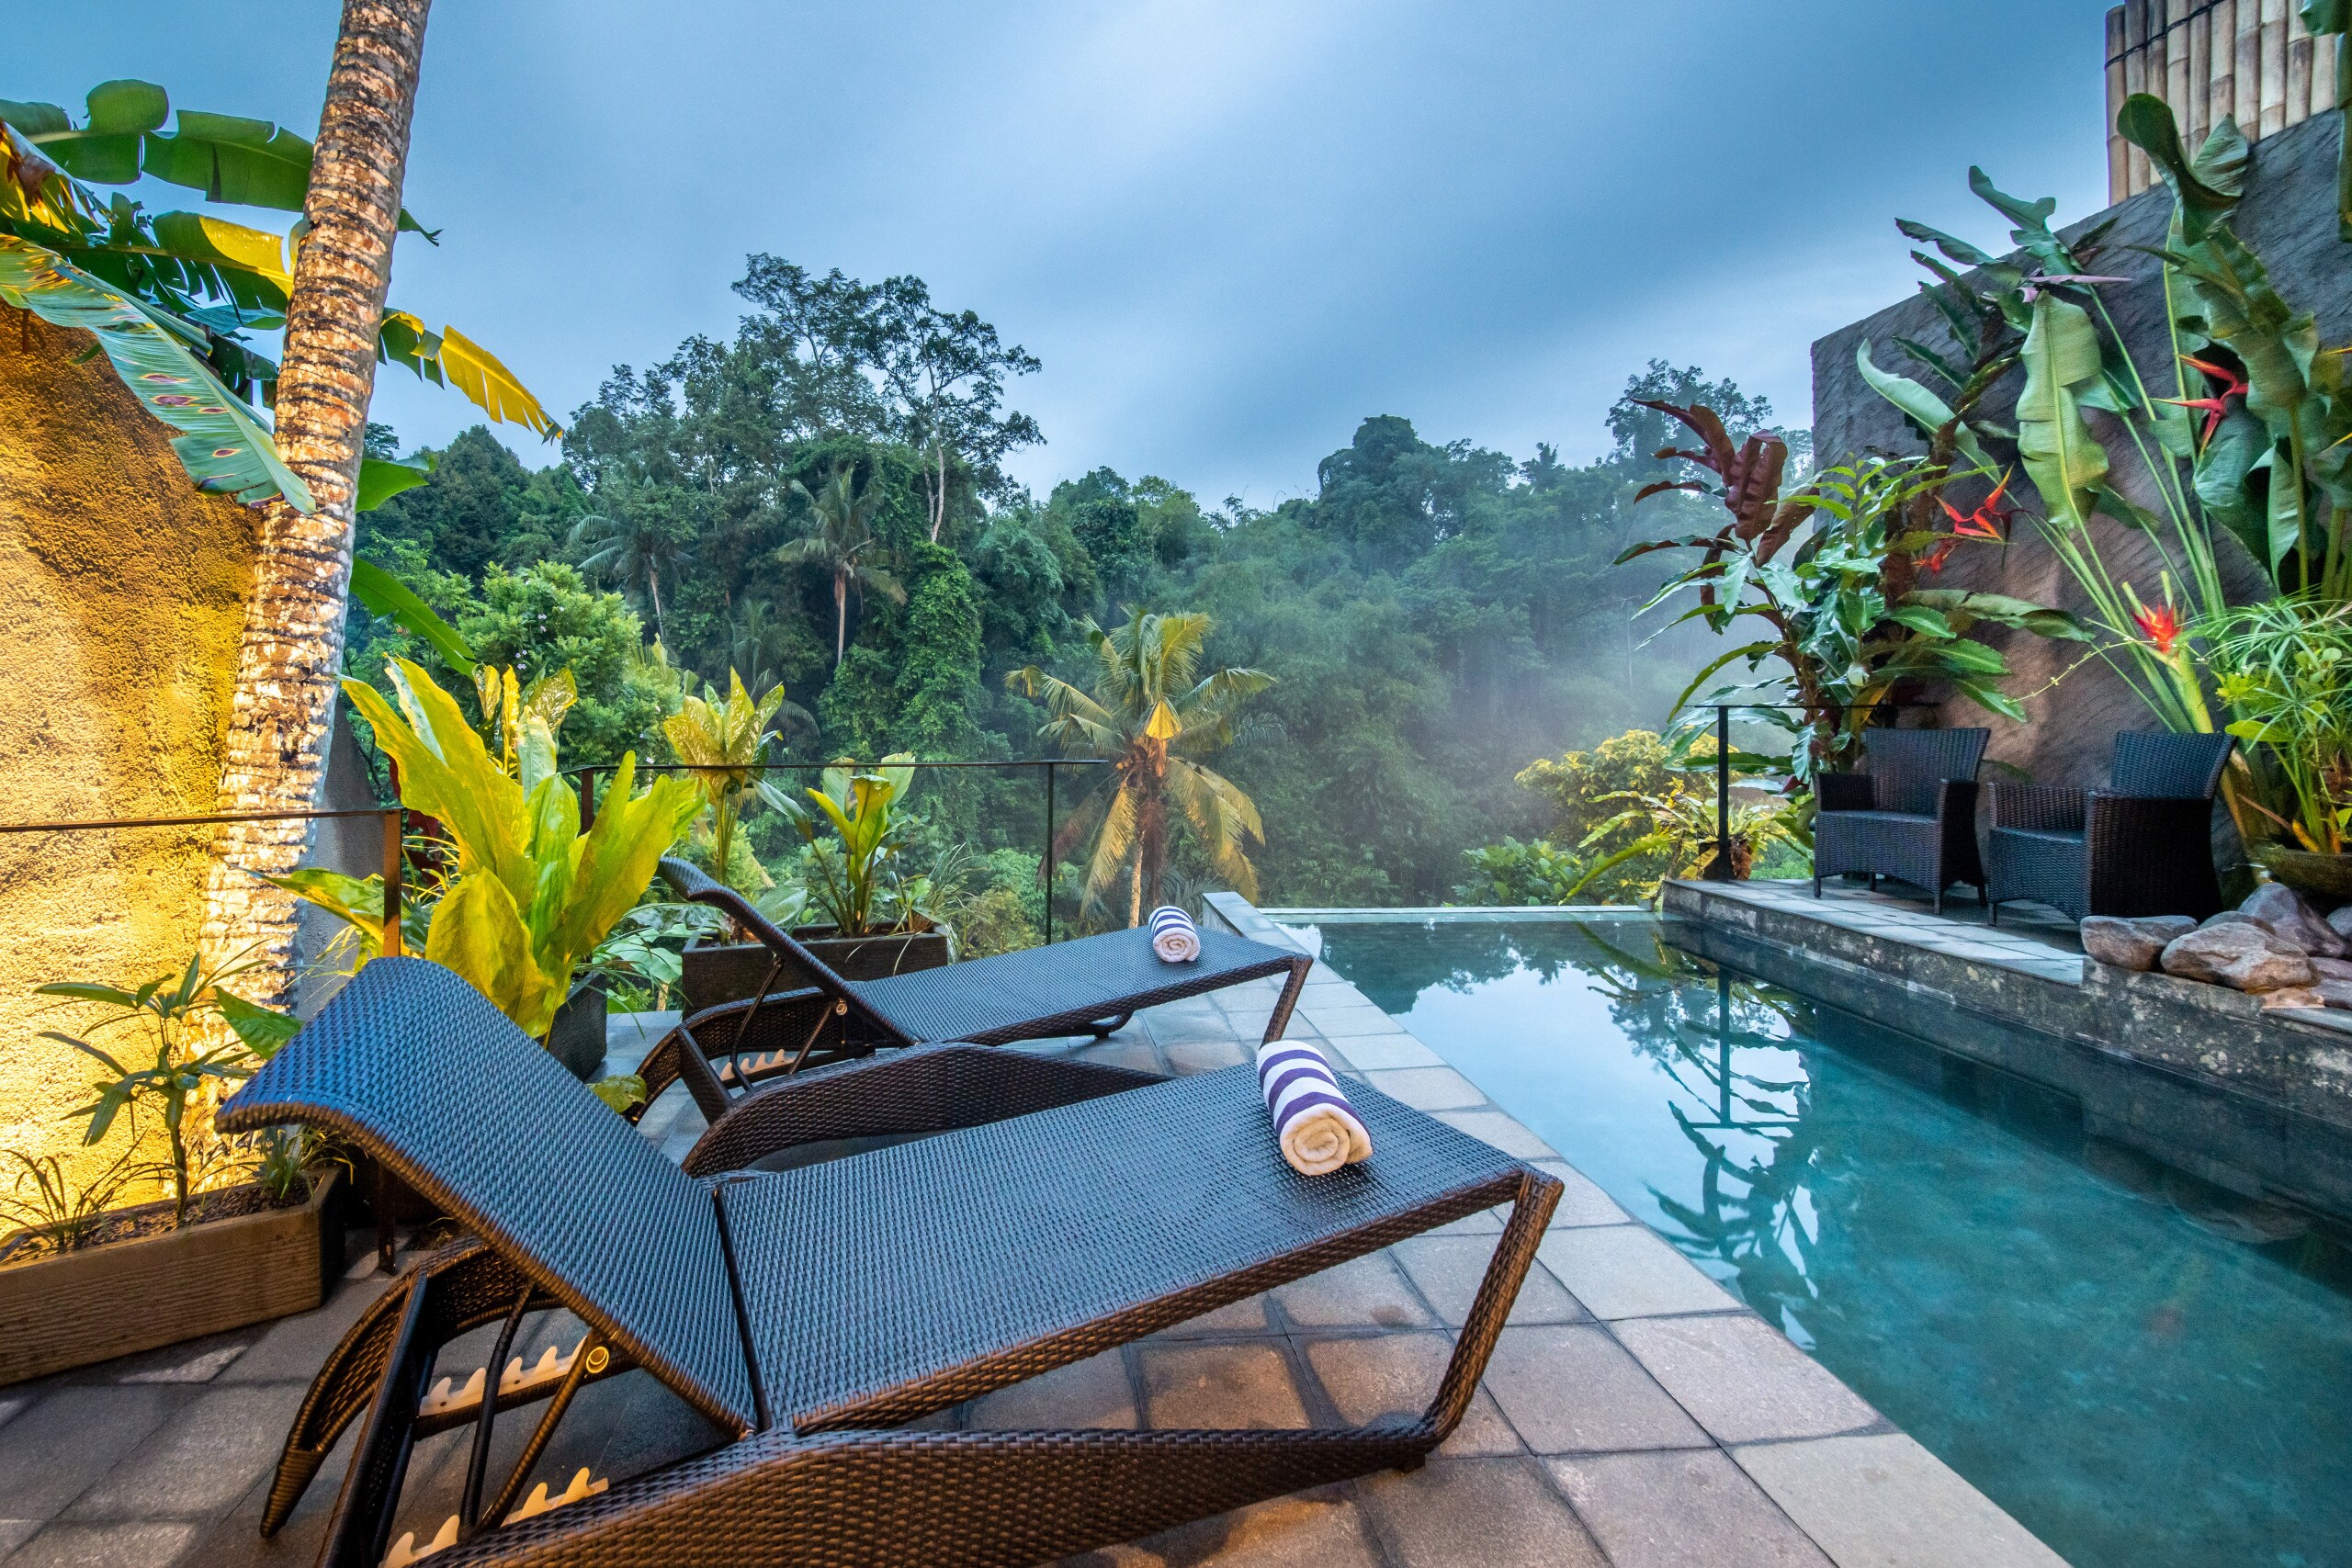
[2253,60]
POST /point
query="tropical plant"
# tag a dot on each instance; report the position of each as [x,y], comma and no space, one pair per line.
[856,844]
[1152,720]
[1512,872]
[2285,667]
[531,896]
[1848,622]
[721,741]
[633,542]
[841,531]
[57,1214]
[173,1013]
[1678,826]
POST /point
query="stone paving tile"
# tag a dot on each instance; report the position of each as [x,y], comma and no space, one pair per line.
[1340,1023]
[1582,1202]
[1366,1293]
[1626,1271]
[44,1472]
[1886,1500]
[1689,1509]
[1486,1222]
[293,1348]
[1093,1393]
[1206,1056]
[1247,1315]
[1496,1513]
[1503,1132]
[1743,1380]
[141,1545]
[1319,1530]
[1447,1270]
[1139,1055]
[200,1461]
[1427,1088]
[1369,1376]
[15,1533]
[1379,1053]
[1229,1384]
[1570,1388]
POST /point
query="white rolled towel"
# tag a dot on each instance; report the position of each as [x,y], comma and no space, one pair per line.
[1173,936]
[1313,1121]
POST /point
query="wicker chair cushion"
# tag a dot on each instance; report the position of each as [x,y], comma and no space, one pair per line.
[934,1271]
[416,1066]
[1001,997]
[1909,767]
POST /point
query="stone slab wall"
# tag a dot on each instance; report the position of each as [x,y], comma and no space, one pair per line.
[2075,707]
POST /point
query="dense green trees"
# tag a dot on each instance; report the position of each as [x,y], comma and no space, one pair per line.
[1437,616]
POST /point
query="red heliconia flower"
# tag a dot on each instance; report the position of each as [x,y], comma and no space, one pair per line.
[1985,523]
[1934,560]
[2162,625]
[2217,403]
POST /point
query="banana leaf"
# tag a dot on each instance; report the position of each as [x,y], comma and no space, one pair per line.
[221,446]
[2207,187]
[1930,412]
[2062,457]
[381,593]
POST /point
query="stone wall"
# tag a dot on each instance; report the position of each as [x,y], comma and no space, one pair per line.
[2075,707]
[122,593]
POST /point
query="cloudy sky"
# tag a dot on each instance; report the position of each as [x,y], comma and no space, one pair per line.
[1230,230]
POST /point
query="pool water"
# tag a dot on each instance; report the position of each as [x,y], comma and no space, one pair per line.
[2142,1369]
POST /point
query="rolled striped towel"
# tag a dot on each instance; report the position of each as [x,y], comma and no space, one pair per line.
[1173,935]
[1315,1127]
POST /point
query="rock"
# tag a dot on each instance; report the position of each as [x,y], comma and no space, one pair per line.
[2237,954]
[2135,944]
[2293,997]
[2340,922]
[2332,968]
[2282,909]
[2336,993]
[2243,921]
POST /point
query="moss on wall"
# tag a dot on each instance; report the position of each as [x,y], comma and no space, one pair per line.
[122,592]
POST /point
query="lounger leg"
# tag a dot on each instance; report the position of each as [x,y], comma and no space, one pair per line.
[1280,1022]
[1539,1195]
[362,1524]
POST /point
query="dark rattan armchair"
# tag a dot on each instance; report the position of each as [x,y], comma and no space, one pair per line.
[1091,985]
[2142,846]
[809,1314]
[1912,816]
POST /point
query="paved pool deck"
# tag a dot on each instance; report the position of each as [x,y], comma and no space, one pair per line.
[1633,1414]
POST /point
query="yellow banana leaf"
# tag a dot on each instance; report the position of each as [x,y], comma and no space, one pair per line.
[258,252]
[475,372]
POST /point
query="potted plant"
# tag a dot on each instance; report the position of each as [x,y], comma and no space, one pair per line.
[247,1230]
[2283,666]
[875,918]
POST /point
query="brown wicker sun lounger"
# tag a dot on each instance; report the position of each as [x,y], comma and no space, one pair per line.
[809,1314]
[1091,985]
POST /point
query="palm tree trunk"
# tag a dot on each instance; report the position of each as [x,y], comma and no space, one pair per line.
[283,707]
[840,616]
[653,587]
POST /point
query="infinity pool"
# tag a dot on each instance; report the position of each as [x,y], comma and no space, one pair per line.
[2145,1371]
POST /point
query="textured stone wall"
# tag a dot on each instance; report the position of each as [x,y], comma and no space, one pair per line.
[122,592]
[2076,708]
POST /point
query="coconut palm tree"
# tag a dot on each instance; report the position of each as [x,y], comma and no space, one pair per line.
[273,756]
[633,543]
[840,529]
[1150,717]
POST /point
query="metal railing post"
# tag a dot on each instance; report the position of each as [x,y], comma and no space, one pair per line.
[1046,864]
[1720,868]
[395,870]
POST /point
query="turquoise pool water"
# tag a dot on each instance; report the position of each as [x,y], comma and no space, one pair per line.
[2145,1371]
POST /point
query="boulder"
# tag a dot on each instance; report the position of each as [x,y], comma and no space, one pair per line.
[2241,921]
[2135,944]
[2336,993]
[2340,922]
[2282,909]
[2332,968]
[2292,997]
[2239,954]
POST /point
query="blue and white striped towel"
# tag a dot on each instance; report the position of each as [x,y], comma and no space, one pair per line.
[1173,935]
[1315,1127]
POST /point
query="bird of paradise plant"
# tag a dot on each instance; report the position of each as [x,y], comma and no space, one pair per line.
[1152,720]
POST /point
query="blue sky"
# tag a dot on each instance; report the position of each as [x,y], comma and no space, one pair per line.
[1230,230]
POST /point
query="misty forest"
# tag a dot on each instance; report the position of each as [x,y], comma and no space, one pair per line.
[820,501]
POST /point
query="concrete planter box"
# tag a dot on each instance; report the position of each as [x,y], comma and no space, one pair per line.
[125,1296]
[718,973]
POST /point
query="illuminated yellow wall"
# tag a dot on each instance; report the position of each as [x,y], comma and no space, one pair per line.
[121,594]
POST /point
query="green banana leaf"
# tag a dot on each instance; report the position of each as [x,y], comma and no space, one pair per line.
[2207,187]
[221,446]
[2061,359]
[1928,410]
[2321,18]
[380,480]
[381,593]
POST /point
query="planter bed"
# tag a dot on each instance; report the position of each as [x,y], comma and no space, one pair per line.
[111,1298]
[729,972]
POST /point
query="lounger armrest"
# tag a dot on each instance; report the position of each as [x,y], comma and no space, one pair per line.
[765,1038]
[1842,792]
[2043,809]
[936,1088]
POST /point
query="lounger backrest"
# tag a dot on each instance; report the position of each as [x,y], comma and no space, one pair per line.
[2156,764]
[415,1066]
[1909,767]
[692,883]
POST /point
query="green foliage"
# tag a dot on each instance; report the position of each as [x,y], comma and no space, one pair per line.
[723,740]
[47,1208]
[2284,667]
[1512,872]
[544,619]
[1577,786]
[532,895]
[855,870]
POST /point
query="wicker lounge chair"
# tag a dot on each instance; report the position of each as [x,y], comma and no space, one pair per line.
[1089,987]
[2142,846]
[1912,816]
[807,1315]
